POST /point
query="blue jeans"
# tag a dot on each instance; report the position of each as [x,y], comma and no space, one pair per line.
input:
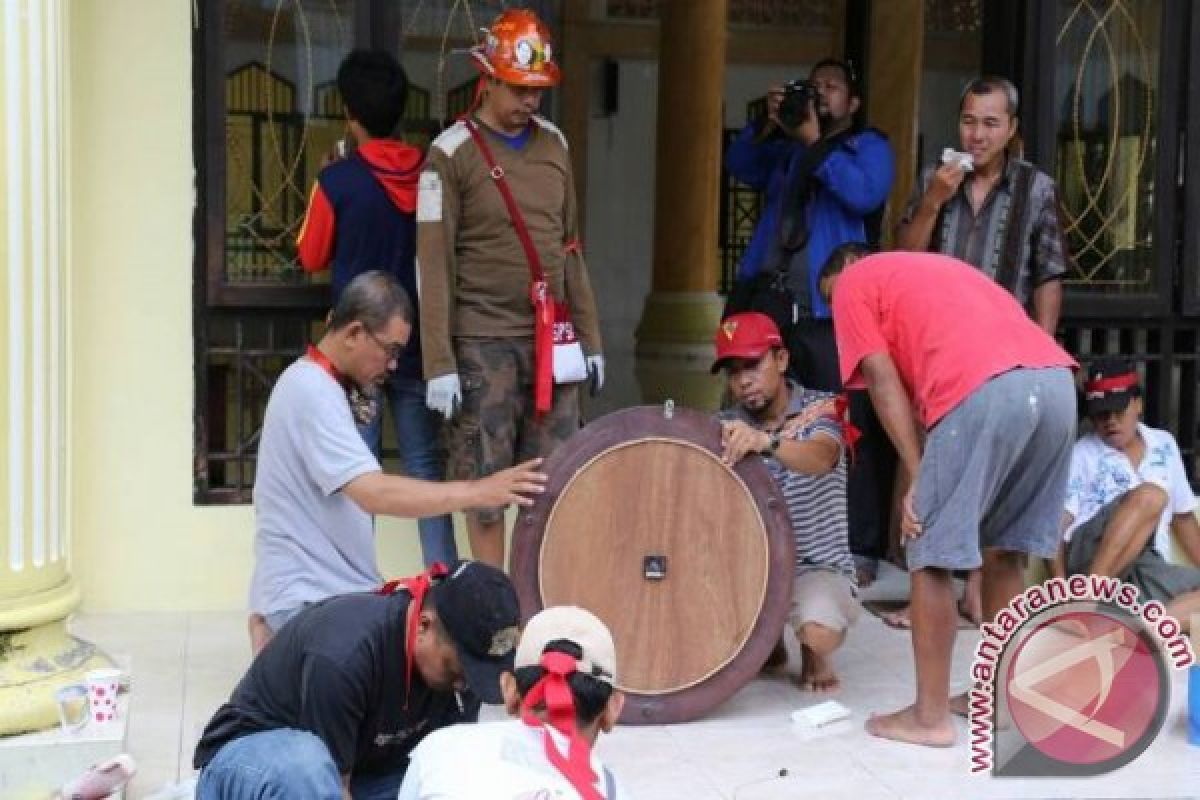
[285,763]
[417,441]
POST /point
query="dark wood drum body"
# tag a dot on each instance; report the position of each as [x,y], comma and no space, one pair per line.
[687,561]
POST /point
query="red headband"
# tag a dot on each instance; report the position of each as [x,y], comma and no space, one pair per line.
[554,691]
[1115,383]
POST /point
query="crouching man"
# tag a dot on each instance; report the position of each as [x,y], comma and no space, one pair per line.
[335,702]
[563,693]
[796,430]
[1127,489]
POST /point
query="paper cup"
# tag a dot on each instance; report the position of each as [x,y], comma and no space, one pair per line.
[102,685]
[73,707]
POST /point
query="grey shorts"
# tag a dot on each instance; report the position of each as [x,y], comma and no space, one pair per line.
[994,473]
[1154,576]
[825,597]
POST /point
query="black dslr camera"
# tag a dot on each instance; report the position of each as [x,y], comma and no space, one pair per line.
[798,96]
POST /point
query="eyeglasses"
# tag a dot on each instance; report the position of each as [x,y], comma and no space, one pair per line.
[394,350]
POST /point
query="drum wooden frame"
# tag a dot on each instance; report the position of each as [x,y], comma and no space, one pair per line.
[687,560]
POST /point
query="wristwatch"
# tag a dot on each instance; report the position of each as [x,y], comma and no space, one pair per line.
[773,440]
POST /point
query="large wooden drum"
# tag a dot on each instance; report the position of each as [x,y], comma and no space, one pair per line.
[689,562]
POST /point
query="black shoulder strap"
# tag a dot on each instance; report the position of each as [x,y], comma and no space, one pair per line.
[793,222]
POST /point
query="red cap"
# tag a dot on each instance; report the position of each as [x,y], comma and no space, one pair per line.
[746,335]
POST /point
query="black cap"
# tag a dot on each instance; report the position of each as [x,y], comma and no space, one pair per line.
[1111,383]
[477,605]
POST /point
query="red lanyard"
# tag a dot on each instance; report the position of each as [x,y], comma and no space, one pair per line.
[417,586]
[322,361]
[555,693]
[539,293]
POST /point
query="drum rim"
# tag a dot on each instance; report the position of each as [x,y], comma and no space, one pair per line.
[697,428]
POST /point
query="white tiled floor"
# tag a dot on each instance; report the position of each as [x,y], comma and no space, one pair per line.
[184,666]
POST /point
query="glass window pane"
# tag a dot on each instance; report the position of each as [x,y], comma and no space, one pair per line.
[283,116]
[952,56]
[1106,93]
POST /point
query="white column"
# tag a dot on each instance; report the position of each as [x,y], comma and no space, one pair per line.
[36,591]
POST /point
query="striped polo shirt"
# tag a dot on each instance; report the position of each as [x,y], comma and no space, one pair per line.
[816,504]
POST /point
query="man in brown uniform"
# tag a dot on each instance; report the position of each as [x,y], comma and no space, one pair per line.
[477,316]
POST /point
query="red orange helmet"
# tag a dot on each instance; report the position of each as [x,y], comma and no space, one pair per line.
[517,50]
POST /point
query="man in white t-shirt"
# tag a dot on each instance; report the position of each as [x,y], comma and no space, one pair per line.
[1117,514]
[563,693]
[317,484]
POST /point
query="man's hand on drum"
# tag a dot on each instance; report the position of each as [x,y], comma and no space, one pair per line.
[518,485]
[739,440]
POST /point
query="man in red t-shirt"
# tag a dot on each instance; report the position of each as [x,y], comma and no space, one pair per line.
[980,404]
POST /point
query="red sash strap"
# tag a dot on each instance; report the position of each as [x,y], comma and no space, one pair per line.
[850,432]
[321,360]
[1114,383]
[417,586]
[554,692]
[539,294]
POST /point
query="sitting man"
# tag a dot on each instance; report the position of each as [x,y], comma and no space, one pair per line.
[794,429]
[1127,488]
[563,691]
[337,699]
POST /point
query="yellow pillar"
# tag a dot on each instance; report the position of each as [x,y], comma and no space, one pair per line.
[674,339]
[897,45]
[36,591]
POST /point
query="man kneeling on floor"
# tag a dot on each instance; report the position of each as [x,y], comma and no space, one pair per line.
[1127,489]
[566,668]
[335,702]
[797,432]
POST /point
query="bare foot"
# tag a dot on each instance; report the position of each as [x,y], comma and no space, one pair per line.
[816,673]
[903,726]
[901,618]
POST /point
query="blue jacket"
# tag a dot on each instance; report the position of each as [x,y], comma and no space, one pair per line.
[853,181]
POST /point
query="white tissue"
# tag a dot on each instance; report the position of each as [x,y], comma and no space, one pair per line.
[821,714]
[964,161]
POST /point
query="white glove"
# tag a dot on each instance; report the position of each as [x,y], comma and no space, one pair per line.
[443,394]
[595,368]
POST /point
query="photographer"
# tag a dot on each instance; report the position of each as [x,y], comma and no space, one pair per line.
[826,180]
[825,177]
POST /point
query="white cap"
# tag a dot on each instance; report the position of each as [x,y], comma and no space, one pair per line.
[574,624]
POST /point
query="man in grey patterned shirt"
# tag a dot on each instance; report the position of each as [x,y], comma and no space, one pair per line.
[796,431]
[1000,214]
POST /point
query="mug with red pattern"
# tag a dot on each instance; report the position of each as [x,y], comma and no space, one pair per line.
[102,685]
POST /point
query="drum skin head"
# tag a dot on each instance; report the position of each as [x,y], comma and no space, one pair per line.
[687,561]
